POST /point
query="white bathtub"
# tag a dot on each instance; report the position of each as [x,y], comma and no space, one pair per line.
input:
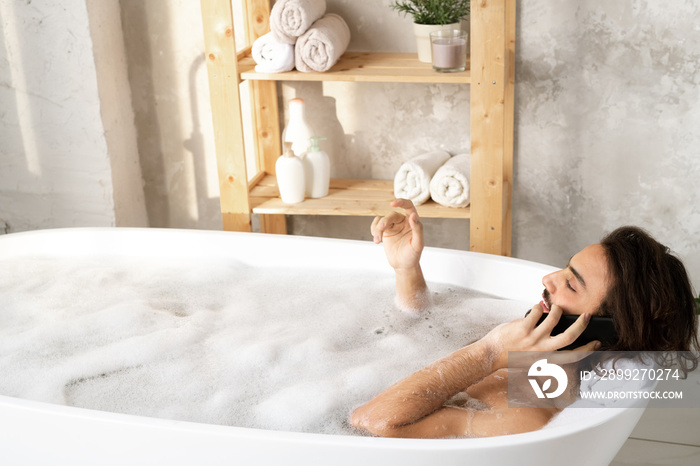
[41,433]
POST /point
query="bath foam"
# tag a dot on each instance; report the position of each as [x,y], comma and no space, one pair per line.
[221,342]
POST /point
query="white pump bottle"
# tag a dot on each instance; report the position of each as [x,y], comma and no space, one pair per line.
[317,169]
[290,176]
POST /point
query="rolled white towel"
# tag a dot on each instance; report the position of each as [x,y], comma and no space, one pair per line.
[450,184]
[289,19]
[271,55]
[412,181]
[319,48]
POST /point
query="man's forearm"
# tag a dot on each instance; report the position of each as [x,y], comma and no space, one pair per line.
[411,289]
[426,390]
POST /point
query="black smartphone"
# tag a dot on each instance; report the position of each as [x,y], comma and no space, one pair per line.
[599,328]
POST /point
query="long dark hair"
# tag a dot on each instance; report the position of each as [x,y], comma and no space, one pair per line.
[650,300]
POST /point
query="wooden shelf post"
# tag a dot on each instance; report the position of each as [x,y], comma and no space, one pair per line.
[222,67]
[225,95]
[492,107]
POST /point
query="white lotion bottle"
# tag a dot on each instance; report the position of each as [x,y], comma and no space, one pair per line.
[290,176]
[317,170]
[297,132]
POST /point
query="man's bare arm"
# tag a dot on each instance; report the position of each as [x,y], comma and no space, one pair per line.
[424,392]
[402,236]
[461,422]
[411,290]
[414,405]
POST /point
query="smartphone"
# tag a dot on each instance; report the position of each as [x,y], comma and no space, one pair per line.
[599,328]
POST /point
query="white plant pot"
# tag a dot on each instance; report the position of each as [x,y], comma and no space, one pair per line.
[422,33]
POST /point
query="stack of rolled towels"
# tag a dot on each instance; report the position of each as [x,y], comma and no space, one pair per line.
[434,174]
[303,36]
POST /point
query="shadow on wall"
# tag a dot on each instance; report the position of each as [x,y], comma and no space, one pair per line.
[143,96]
[196,146]
[171,142]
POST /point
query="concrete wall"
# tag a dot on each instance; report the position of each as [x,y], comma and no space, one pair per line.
[61,119]
[607,118]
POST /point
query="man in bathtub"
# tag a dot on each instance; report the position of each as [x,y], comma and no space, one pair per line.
[628,276]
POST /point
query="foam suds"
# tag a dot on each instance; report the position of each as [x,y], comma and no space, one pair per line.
[221,342]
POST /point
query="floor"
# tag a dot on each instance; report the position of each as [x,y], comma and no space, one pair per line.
[668,436]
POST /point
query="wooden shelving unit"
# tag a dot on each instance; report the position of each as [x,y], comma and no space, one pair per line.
[492,99]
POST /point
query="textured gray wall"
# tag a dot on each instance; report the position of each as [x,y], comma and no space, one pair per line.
[607,125]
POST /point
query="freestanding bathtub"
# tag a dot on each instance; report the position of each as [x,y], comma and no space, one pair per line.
[40,433]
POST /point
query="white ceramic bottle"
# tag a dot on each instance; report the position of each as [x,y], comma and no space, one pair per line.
[298,132]
[290,176]
[317,167]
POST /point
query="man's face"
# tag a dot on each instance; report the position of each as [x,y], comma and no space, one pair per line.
[580,287]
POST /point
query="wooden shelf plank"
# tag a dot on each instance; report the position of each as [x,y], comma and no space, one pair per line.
[345,197]
[364,67]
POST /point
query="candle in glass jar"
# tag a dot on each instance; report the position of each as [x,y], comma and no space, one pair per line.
[449,50]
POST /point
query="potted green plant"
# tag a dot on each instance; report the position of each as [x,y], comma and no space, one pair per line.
[432,15]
